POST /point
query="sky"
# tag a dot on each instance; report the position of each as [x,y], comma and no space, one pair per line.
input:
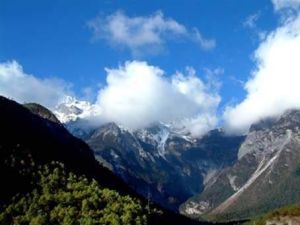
[198,64]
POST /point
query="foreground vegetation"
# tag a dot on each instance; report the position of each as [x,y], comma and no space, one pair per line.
[285,212]
[62,197]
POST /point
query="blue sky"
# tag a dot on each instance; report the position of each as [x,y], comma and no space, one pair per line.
[53,38]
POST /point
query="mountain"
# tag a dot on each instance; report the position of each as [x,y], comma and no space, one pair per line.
[160,162]
[72,109]
[266,175]
[216,177]
[31,140]
[41,111]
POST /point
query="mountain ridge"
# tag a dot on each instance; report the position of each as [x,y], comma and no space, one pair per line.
[223,181]
[149,159]
[262,179]
[29,140]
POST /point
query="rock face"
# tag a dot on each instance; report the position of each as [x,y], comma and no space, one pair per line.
[266,175]
[159,162]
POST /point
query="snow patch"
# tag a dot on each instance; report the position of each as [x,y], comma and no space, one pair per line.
[113,154]
[161,138]
[209,174]
[70,109]
[196,208]
[232,182]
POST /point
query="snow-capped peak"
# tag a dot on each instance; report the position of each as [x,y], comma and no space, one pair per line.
[70,109]
[75,113]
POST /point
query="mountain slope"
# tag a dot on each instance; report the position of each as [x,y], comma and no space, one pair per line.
[160,162]
[41,111]
[28,141]
[265,177]
[28,138]
[62,197]
[286,215]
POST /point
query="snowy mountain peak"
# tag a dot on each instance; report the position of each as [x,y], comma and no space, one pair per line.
[70,109]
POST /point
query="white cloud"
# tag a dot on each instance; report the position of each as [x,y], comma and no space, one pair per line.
[143,34]
[274,84]
[23,87]
[138,94]
[285,4]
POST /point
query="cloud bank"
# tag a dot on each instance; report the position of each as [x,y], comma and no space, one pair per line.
[141,34]
[138,94]
[274,84]
[23,87]
[135,95]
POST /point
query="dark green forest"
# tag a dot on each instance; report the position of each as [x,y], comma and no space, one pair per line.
[62,197]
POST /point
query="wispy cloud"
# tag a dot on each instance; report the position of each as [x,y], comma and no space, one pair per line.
[204,43]
[250,21]
[143,33]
